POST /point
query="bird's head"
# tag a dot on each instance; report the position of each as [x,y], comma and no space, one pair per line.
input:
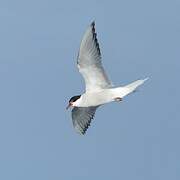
[72,101]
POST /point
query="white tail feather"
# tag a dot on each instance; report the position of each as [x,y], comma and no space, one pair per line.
[124,91]
[132,86]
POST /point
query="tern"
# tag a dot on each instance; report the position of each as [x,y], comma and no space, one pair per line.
[99,89]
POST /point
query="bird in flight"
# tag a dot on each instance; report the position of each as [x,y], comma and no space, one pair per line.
[99,89]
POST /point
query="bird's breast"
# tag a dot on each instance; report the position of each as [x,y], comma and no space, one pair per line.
[96,98]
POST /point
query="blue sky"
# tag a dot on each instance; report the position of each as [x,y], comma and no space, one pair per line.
[137,139]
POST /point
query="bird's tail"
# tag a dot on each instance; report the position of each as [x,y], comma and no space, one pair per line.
[124,91]
[132,86]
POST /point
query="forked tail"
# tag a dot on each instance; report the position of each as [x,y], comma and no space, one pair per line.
[125,90]
[132,86]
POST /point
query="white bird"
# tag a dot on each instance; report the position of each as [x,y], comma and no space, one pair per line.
[99,89]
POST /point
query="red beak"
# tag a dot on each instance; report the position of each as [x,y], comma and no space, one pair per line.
[69,105]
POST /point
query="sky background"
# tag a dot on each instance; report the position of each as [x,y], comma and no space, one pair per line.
[137,139]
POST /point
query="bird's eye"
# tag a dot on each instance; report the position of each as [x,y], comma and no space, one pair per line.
[74,98]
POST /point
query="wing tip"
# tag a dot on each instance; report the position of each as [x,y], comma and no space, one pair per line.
[95,37]
[79,131]
[82,130]
[93,23]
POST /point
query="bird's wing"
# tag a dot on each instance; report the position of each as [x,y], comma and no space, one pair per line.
[89,62]
[81,117]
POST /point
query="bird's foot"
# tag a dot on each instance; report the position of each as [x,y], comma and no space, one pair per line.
[117,99]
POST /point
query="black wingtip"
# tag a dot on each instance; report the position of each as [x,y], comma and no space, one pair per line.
[95,37]
[93,23]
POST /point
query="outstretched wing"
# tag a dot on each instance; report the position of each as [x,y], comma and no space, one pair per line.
[81,117]
[89,61]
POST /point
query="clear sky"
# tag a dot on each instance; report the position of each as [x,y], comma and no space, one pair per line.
[137,139]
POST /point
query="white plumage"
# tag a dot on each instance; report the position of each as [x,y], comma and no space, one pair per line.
[99,89]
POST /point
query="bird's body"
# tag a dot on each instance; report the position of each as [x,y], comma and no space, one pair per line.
[103,96]
[99,89]
[95,98]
